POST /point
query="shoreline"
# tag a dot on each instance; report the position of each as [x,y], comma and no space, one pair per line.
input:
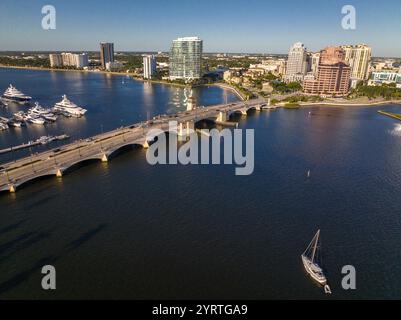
[355,105]
[220,85]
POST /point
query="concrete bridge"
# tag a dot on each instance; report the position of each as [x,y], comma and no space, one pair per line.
[100,147]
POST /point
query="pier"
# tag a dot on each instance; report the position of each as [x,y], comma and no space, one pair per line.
[40,141]
[55,162]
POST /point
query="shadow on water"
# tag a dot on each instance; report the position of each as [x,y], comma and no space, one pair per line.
[85,237]
[12,227]
[24,242]
[10,244]
[24,275]
[40,202]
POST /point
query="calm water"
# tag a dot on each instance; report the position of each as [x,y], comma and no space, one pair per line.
[129,230]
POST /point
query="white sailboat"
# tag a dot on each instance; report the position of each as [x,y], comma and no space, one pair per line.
[310,261]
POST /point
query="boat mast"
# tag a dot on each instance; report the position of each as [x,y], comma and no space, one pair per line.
[314,247]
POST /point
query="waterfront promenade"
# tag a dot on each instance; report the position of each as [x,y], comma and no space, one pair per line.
[100,147]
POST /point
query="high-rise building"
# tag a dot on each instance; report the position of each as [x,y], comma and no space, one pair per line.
[358,57]
[149,66]
[106,53]
[297,64]
[81,60]
[186,58]
[333,75]
[56,60]
[69,59]
[314,59]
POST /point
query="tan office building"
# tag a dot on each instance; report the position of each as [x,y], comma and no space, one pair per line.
[333,75]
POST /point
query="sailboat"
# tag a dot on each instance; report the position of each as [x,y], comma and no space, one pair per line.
[310,261]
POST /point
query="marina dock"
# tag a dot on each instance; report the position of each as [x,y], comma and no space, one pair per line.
[41,141]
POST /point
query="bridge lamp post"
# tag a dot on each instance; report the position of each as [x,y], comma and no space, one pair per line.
[33,168]
[8,177]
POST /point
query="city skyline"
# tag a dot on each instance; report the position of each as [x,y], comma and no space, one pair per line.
[273,28]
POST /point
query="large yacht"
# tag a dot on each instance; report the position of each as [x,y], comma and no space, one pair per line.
[69,108]
[14,95]
[41,112]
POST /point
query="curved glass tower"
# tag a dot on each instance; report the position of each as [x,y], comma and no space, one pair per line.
[186,58]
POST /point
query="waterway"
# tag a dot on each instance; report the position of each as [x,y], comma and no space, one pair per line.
[129,230]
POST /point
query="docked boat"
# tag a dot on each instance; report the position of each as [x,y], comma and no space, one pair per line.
[15,123]
[67,107]
[35,119]
[3,126]
[20,116]
[310,259]
[47,114]
[14,95]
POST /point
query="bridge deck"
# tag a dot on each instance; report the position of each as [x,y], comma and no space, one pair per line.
[54,161]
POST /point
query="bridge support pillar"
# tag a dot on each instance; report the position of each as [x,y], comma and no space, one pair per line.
[105,158]
[145,145]
[185,129]
[222,117]
[12,189]
[243,112]
[59,174]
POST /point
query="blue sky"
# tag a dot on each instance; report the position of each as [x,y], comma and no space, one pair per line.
[263,26]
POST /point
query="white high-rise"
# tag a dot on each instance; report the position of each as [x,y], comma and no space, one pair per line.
[297,64]
[358,57]
[149,66]
[186,58]
[69,59]
[56,60]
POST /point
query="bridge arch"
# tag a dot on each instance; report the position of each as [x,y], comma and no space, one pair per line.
[82,161]
[22,182]
[112,152]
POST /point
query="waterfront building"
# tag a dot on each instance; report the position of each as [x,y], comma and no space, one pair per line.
[81,60]
[333,76]
[106,53]
[56,60]
[149,66]
[358,57]
[297,64]
[110,66]
[314,59]
[186,58]
[385,77]
[69,59]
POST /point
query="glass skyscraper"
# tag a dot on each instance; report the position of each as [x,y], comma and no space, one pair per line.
[106,53]
[186,58]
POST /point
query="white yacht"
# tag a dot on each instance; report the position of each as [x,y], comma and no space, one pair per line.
[35,119]
[69,108]
[20,116]
[41,112]
[3,126]
[14,95]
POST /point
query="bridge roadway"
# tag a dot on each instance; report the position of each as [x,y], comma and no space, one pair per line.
[57,161]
